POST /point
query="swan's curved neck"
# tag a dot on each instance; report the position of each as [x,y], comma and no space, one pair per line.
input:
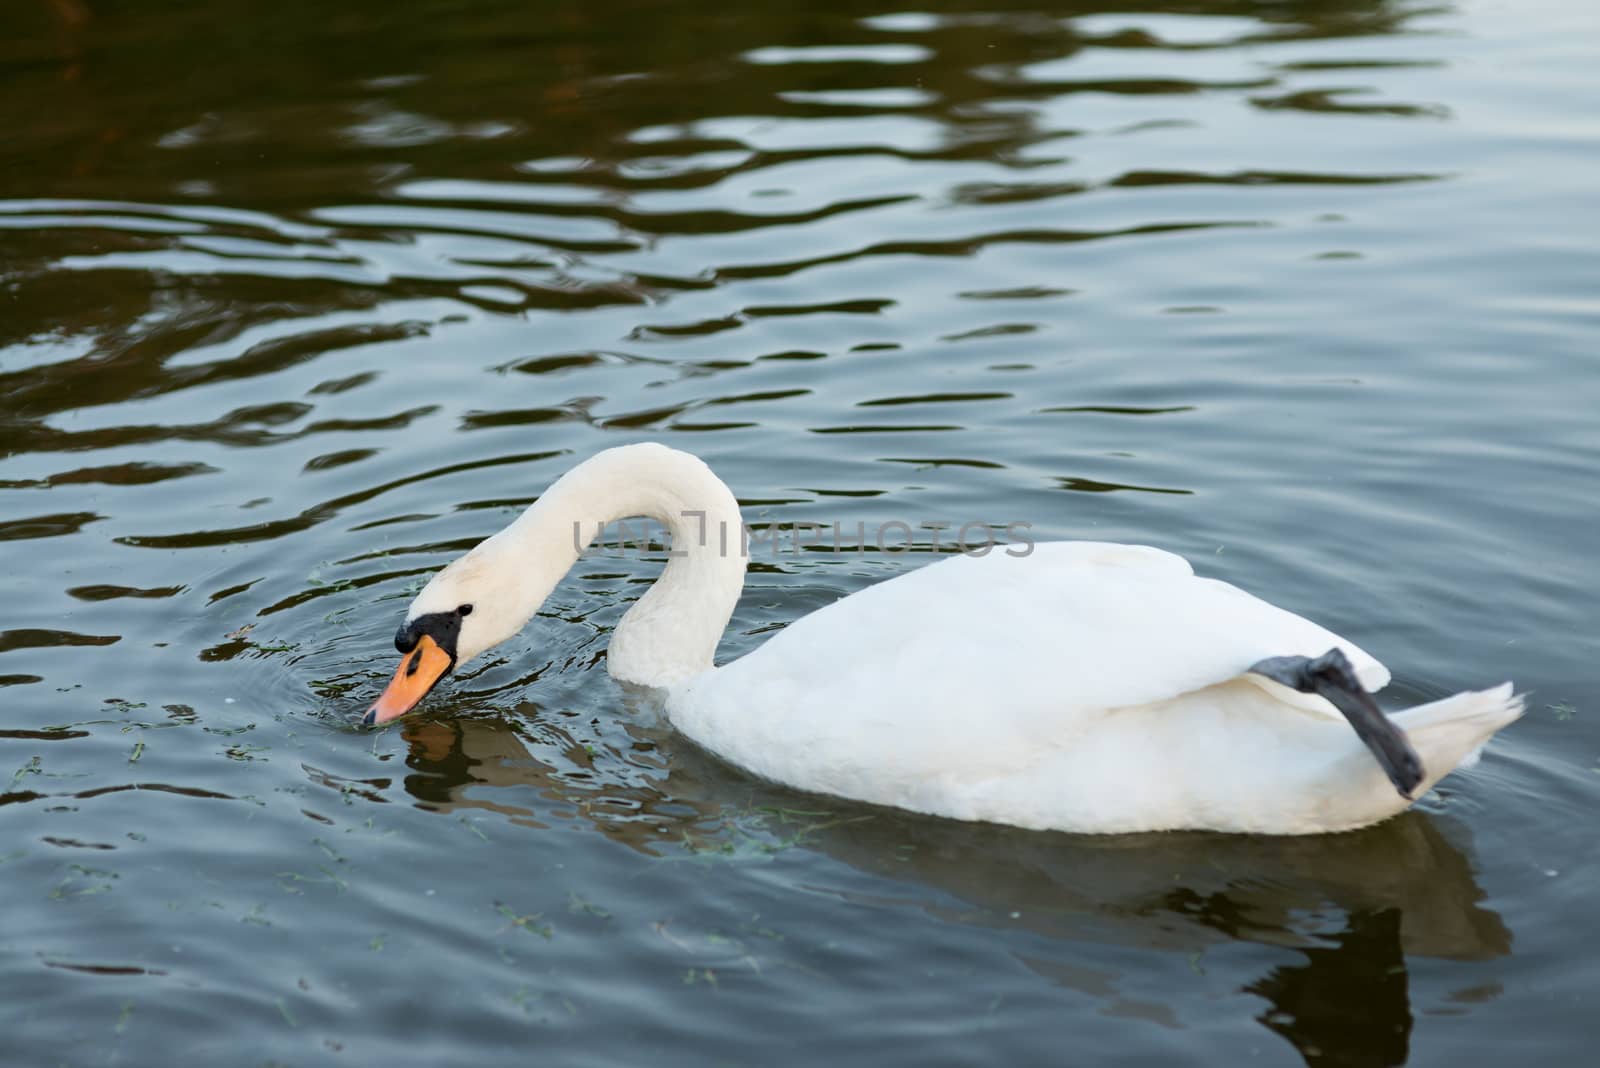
[672,632]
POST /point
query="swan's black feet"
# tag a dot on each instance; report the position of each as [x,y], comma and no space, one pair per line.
[1332,676]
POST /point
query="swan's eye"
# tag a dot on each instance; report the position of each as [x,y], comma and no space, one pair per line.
[464,610]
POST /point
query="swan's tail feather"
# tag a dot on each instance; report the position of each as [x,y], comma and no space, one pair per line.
[1451,733]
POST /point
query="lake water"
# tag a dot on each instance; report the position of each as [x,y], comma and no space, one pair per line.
[296,304]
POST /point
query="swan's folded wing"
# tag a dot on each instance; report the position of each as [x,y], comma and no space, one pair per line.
[994,657]
[1073,625]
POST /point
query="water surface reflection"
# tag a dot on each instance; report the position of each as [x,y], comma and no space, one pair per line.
[1355,908]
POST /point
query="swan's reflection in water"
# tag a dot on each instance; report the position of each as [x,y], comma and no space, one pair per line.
[1354,906]
[1363,972]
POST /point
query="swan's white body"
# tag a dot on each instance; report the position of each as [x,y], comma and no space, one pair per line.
[1084,686]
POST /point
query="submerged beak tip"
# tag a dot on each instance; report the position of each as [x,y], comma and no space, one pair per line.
[419,670]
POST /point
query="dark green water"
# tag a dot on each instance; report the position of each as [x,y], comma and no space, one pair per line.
[297,303]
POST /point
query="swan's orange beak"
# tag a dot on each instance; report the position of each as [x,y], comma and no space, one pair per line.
[416,675]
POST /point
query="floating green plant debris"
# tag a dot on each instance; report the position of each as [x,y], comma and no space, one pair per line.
[577,903]
[33,767]
[529,922]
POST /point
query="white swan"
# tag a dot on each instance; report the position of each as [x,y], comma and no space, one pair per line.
[1083,687]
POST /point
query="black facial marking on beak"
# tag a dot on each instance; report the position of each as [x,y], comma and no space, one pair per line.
[416,662]
[442,627]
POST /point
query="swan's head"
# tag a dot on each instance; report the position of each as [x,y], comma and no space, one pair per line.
[464,610]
